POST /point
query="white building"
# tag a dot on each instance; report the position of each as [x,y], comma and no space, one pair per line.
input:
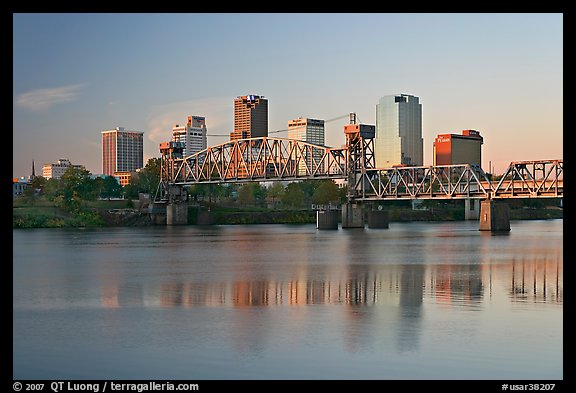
[398,131]
[55,171]
[192,134]
[307,130]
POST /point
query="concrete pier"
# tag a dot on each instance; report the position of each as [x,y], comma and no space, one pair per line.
[157,212]
[204,217]
[177,213]
[352,215]
[378,219]
[494,216]
[327,219]
[471,209]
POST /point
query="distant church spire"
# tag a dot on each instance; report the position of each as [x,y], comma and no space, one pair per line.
[33,171]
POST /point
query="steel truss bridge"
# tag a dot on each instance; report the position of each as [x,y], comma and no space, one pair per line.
[281,159]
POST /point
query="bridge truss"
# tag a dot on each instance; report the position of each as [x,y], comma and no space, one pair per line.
[522,179]
[249,160]
[276,159]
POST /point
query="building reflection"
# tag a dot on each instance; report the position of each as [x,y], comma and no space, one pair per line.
[459,285]
[364,293]
[410,307]
[115,295]
[537,280]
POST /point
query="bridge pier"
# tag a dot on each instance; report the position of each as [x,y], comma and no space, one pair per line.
[177,213]
[378,219]
[157,212]
[327,219]
[204,217]
[471,209]
[352,215]
[494,216]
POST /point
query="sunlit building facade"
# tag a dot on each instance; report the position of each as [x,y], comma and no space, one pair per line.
[307,130]
[193,134]
[452,149]
[250,117]
[122,151]
[399,139]
[55,171]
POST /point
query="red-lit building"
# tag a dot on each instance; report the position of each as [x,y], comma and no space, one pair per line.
[452,149]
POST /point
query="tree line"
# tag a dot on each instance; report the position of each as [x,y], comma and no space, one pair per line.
[77,185]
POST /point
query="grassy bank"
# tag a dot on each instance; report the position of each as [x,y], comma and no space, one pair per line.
[41,213]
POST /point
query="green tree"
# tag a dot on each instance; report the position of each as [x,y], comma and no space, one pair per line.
[246,195]
[78,181]
[149,177]
[52,188]
[325,193]
[38,183]
[274,193]
[145,181]
[308,187]
[110,187]
[293,195]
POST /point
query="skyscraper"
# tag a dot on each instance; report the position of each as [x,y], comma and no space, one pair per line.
[122,151]
[307,130]
[250,117]
[398,131]
[192,134]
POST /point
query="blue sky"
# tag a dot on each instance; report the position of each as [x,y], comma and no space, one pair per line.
[75,75]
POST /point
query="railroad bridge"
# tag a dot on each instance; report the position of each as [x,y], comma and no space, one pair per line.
[281,159]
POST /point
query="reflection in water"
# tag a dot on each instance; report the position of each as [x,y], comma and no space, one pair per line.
[365,285]
[414,301]
[411,294]
[457,284]
[537,280]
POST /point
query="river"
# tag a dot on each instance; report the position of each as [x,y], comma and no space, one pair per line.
[419,300]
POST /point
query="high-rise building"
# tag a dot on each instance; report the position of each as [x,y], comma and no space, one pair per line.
[307,130]
[250,117]
[122,151]
[398,131]
[452,149]
[192,134]
[55,171]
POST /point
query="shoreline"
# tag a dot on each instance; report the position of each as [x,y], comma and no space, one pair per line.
[50,217]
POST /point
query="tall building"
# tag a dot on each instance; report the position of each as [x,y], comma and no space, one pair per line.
[398,131]
[55,171]
[250,117]
[452,149]
[192,134]
[122,151]
[307,130]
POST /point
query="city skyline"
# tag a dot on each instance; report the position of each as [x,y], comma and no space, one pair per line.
[500,74]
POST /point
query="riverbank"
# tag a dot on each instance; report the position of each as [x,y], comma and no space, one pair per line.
[43,214]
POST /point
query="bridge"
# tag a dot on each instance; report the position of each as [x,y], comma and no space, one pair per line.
[281,159]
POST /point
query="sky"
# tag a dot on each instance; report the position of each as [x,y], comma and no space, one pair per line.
[78,74]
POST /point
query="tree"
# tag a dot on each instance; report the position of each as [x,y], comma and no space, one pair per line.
[38,183]
[293,195]
[246,195]
[308,187]
[52,188]
[149,177]
[78,181]
[325,193]
[145,181]
[110,188]
[274,193]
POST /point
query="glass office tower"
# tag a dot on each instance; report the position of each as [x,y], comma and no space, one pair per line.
[398,139]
